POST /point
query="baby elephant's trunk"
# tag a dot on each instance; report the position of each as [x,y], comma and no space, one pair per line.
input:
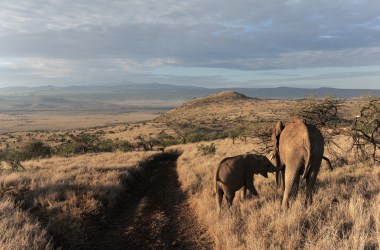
[273,169]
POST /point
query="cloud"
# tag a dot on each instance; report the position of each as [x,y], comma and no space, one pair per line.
[134,37]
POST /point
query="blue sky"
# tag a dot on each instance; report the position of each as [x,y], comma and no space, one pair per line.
[243,43]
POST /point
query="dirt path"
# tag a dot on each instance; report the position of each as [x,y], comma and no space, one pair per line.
[155,216]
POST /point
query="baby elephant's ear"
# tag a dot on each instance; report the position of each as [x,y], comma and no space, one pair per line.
[265,174]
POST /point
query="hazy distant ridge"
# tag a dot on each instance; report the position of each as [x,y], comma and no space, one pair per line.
[157,91]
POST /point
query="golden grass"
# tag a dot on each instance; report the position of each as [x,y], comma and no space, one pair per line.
[126,132]
[345,213]
[224,110]
[18,230]
[30,121]
[61,192]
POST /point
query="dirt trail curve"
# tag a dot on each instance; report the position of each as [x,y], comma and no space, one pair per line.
[154,215]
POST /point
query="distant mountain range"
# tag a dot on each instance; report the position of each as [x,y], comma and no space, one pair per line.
[156,91]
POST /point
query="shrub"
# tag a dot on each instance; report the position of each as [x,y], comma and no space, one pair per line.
[125,146]
[85,143]
[13,157]
[206,149]
[320,112]
[35,149]
[31,150]
[233,134]
[106,146]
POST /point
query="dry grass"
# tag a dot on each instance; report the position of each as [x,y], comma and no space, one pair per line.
[18,230]
[345,213]
[61,192]
[29,121]
[126,132]
[225,109]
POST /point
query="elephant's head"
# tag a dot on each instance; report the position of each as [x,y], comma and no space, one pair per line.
[276,141]
[265,166]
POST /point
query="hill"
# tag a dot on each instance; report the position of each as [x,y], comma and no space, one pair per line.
[221,111]
[224,96]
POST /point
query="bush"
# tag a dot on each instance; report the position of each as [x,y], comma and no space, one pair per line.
[81,144]
[35,149]
[31,150]
[91,143]
[125,146]
[320,112]
[233,134]
[106,146]
[206,149]
[13,157]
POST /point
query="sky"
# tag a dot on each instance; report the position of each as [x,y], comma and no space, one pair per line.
[209,43]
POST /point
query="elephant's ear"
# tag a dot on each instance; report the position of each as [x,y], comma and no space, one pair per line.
[278,128]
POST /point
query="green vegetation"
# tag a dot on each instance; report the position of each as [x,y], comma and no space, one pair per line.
[91,143]
[206,149]
[32,149]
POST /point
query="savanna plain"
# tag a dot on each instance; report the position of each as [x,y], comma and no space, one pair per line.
[149,184]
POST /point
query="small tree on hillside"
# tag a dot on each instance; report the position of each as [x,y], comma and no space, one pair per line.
[263,132]
[233,134]
[366,130]
[320,112]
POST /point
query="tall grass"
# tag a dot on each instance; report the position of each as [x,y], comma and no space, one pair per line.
[60,193]
[345,213]
[18,230]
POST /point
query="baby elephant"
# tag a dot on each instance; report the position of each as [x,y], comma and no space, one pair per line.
[236,172]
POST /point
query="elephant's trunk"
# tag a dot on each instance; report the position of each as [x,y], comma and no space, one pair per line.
[273,169]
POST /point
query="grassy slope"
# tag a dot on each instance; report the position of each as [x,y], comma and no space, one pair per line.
[345,213]
[60,192]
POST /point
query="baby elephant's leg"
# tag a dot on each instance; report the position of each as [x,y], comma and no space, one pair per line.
[243,192]
[252,189]
[219,197]
[230,197]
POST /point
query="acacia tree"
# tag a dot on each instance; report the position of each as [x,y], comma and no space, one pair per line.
[366,129]
[320,112]
[324,114]
[262,131]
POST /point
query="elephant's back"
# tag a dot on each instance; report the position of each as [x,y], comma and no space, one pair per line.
[295,143]
[298,138]
[231,169]
[294,132]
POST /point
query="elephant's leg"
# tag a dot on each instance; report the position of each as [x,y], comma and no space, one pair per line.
[253,190]
[230,197]
[280,180]
[296,184]
[244,192]
[310,181]
[290,178]
[219,198]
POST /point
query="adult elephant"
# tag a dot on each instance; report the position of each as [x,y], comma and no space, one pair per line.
[299,148]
